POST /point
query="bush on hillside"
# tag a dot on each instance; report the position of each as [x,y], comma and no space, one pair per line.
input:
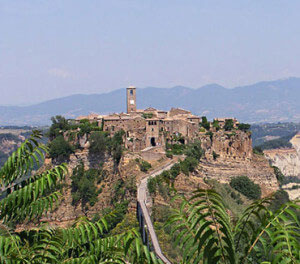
[188,165]
[228,125]
[279,174]
[175,149]
[144,165]
[194,150]
[216,124]
[99,142]
[258,150]
[59,125]
[175,171]
[246,187]
[244,127]
[60,149]
[83,186]
[205,124]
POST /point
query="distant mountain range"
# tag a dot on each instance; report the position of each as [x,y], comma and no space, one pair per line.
[270,101]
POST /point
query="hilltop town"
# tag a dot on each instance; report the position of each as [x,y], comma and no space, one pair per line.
[152,127]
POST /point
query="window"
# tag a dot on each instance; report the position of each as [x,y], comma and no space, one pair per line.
[131,92]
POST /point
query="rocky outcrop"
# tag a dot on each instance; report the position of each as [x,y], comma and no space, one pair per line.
[229,154]
[287,160]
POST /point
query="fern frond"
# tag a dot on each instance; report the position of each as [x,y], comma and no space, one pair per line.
[29,198]
[22,161]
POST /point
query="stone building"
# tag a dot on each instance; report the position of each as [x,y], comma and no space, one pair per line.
[150,127]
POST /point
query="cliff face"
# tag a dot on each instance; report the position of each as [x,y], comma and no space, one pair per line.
[229,155]
[287,160]
[124,175]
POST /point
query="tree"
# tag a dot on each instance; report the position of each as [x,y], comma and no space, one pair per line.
[244,127]
[246,187]
[205,123]
[228,125]
[99,142]
[28,195]
[59,125]
[83,186]
[60,149]
[205,232]
[216,124]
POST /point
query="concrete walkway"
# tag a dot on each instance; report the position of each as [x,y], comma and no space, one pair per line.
[142,195]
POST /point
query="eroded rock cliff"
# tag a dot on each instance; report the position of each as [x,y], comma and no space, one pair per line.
[287,160]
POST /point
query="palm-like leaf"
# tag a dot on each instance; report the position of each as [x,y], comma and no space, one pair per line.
[29,195]
[203,230]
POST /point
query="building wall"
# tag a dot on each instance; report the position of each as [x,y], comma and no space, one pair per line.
[131,99]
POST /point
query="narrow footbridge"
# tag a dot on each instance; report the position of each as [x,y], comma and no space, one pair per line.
[146,225]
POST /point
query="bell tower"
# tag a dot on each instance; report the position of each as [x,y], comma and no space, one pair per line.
[131,99]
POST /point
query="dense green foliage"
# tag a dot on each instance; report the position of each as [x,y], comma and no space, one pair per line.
[228,126]
[258,150]
[279,175]
[205,124]
[144,165]
[60,149]
[215,155]
[245,186]
[216,124]
[193,152]
[83,186]
[244,127]
[205,233]
[175,149]
[147,115]
[59,125]
[99,142]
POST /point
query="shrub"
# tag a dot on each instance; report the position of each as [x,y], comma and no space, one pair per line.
[244,127]
[279,175]
[246,187]
[188,165]
[215,155]
[59,125]
[60,149]
[144,165]
[216,124]
[99,142]
[83,186]
[169,155]
[258,150]
[147,115]
[210,134]
[228,125]
[174,171]
[205,124]
[175,149]
[194,150]
[280,197]
[151,185]
[116,146]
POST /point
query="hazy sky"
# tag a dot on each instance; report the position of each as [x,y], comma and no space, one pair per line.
[53,48]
